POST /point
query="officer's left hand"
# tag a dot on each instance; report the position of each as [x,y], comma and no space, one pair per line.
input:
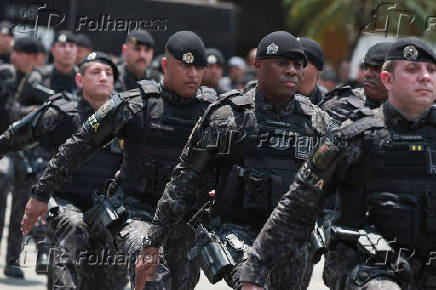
[250,286]
[145,266]
[34,210]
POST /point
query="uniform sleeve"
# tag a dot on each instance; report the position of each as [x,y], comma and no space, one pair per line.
[101,127]
[29,130]
[291,222]
[199,158]
[340,107]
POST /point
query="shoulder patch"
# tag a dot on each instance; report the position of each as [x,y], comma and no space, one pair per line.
[95,119]
[149,87]
[129,94]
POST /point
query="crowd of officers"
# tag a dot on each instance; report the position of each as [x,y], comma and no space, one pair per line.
[121,159]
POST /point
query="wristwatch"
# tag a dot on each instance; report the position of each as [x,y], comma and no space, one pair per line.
[148,242]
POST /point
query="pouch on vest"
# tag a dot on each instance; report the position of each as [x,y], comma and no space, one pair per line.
[396,216]
[233,186]
[257,190]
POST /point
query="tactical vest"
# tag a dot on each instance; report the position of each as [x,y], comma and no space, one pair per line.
[92,175]
[162,132]
[272,153]
[393,187]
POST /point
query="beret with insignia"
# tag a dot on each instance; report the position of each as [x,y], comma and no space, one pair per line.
[64,36]
[6,28]
[103,58]
[214,56]
[187,47]
[281,44]
[376,54]
[140,37]
[411,48]
[313,52]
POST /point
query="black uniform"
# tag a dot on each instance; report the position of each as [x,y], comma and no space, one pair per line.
[380,166]
[50,126]
[154,124]
[248,140]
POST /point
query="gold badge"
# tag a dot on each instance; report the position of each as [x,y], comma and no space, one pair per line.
[410,52]
[211,59]
[188,58]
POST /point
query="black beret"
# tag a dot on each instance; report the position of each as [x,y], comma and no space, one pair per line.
[27,44]
[376,54]
[83,40]
[64,36]
[140,37]
[214,56]
[313,52]
[411,48]
[187,47]
[6,28]
[280,44]
[101,57]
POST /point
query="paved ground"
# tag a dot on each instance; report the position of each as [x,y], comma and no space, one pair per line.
[38,282]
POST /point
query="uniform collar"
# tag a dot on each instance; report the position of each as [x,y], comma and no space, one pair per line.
[396,120]
[263,104]
[83,107]
[174,98]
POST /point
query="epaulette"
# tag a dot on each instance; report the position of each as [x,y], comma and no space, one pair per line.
[303,105]
[207,94]
[129,94]
[245,100]
[366,120]
[149,88]
[336,91]
[224,99]
[62,103]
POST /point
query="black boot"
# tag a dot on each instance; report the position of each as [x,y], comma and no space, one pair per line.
[13,270]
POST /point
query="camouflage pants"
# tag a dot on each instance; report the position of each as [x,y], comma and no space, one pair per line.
[22,185]
[175,271]
[83,257]
[288,273]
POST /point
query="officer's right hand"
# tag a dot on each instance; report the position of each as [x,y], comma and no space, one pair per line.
[34,210]
[250,286]
[145,266]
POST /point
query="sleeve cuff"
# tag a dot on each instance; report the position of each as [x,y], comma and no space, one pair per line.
[39,195]
[252,273]
[156,235]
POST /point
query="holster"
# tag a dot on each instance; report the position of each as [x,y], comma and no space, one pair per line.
[107,209]
[215,260]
